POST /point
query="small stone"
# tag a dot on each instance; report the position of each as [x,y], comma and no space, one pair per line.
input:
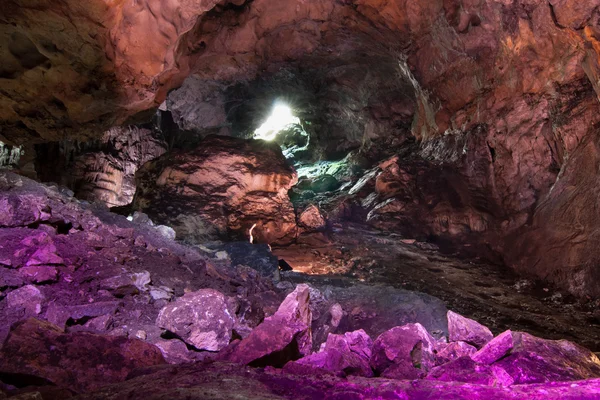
[139,334]
[166,231]
[464,369]
[126,284]
[100,324]
[45,255]
[39,274]
[10,279]
[93,309]
[28,298]
[161,293]
[6,262]
[175,351]
[57,314]
[337,313]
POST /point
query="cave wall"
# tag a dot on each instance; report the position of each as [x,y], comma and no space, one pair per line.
[523,74]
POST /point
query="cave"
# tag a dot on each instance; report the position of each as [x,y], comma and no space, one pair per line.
[318,199]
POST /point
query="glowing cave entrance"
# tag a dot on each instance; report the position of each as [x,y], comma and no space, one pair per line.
[281,118]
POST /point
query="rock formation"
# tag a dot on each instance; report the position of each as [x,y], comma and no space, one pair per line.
[224,185]
[141,297]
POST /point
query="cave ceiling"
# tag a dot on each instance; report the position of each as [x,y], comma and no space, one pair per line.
[72,70]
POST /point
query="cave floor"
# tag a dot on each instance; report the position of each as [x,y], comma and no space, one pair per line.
[488,293]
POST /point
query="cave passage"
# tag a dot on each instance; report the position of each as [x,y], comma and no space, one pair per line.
[296,200]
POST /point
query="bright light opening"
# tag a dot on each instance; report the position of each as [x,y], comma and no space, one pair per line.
[281,117]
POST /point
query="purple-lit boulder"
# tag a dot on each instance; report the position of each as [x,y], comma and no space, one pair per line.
[282,337]
[495,349]
[447,352]
[404,352]
[535,360]
[202,319]
[464,369]
[467,330]
[348,353]
[78,361]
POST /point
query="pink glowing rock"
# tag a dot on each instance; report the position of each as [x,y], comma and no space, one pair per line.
[202,319]
[284,336]
[348,353]
[536,360]
[447,352]
[495,349]
[467,330]
[404,352]
[464,369]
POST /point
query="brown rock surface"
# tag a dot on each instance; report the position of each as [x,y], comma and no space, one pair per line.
[562,242]
[224,185]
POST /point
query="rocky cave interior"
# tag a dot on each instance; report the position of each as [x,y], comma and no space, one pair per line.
[422,224]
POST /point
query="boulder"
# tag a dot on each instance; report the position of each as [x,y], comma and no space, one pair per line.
[176,352]
[284,336]
[464,369]
[257,256]
[535,360]
[495,349]
[404,352]
[202,319]
[529,359]
[79,361]
[447,352]
[348,354]
[311,219]
[467,330]
[224,186]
